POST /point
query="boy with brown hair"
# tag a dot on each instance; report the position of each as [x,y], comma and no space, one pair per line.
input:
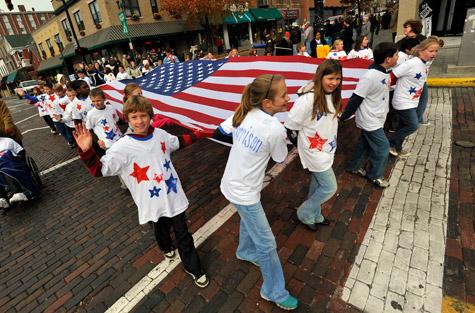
[142,159]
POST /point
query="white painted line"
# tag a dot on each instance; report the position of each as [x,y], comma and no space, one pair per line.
[30,130]
[25,119]
[16,105]
[141,289]
[58,166]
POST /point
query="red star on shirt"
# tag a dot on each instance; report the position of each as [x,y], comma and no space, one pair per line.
[418,94]
[106,128]
[52,97]
[78,106]
[158,178]
[164,147]
[140,173]
[316,142]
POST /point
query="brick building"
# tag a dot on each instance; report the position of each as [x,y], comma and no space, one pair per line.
[22,22]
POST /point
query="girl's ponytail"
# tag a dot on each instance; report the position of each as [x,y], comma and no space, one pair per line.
[243,108]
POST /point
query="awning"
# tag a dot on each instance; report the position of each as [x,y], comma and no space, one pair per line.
[237,18]
[50,63]
[266,14]
[114,34]
[11,77]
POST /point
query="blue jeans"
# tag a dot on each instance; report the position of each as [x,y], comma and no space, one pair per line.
[64,131]
[421,108]
[322,187]
[408,123]
[373,145]
[257,243]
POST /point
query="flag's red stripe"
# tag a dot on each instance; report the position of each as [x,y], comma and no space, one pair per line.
[352,63]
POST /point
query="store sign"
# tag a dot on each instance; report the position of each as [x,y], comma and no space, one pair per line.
[290,14]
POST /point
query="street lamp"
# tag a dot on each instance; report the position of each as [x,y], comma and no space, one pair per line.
[121,6]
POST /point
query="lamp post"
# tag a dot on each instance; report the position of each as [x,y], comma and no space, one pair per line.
[287,13]
[121,6]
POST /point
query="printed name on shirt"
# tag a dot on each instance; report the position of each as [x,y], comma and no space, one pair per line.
[248,139]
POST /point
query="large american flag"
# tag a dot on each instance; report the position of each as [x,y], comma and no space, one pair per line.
[201,94]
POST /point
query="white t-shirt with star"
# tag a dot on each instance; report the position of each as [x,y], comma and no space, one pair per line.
[49,99]
[57,108]
[366,54]
[41,105]
[8,144]
[411,75]
[259,137]
[374,88]
[317,137]
[145,166]
[104,124]
[337,55]
[85,106]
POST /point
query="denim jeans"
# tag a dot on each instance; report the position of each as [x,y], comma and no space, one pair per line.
[257,243]
[421,108]
[322,187]
[408,123]
[64,131]
[373,145]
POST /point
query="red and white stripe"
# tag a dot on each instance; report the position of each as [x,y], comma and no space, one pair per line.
[206,104]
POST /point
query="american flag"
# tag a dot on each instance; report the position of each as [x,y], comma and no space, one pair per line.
[201,94]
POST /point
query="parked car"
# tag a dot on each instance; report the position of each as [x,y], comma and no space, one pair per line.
[28,86]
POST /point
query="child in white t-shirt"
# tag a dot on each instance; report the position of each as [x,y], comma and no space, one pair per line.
[58,106]
[142,160]
[361,50]
[312,126]
[337,53]
[370,101]
[103,119]
[411,77]
[257,136]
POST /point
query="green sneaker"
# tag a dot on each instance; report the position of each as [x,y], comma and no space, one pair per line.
[289,304]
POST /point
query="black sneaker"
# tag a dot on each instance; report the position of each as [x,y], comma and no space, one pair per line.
[200,281]
[360,172]
[169,254]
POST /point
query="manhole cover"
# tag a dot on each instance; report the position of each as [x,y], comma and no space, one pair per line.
[465,144]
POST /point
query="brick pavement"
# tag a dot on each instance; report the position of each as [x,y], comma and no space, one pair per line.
[459,270]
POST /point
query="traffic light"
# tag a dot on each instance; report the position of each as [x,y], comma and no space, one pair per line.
[9,4]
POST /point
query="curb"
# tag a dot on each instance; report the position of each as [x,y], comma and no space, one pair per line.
[451,82]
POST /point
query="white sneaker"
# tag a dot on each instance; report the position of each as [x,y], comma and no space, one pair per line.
[4,203]
[18,197]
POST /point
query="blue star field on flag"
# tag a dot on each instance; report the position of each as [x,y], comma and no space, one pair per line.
[172,78]
[154,192]
[103,122]
[418,76]
[412,90]
[167,164]
[171,184]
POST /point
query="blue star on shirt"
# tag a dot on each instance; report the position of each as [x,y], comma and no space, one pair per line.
[383,81]
[332,144]
[319,116]
[110,135]
[154,192]
[412,90]
[335,54]
[418,75]
[167,164]
[103,121]
[171,184]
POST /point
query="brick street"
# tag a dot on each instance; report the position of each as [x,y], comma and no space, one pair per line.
[80,248]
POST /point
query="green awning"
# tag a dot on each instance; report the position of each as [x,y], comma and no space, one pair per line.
[236,18]
[266,14]
[50,63]
[11,77]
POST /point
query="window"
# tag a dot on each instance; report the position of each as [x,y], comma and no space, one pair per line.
[42,50]
[57,39]
[79,21]
[8,26]
[131,8]
[32,21]
[154,5]
[20,24]
[96,14]
[50,47]
[67,28]
[262,2]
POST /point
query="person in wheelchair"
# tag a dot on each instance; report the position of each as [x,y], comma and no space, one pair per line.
[18,181]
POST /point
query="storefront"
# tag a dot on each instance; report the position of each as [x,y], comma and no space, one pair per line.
[237,30]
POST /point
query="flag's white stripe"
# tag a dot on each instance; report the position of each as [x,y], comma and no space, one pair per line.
[243,81]
[272,66]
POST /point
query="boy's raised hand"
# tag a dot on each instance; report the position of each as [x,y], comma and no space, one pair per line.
[83,137]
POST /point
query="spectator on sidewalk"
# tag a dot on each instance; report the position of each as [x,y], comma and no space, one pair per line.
[317,41]
[82,76]
[257,136]
[312,126]
[122,74]
[361,50]
[134,71]
[370,101]
[142,160]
